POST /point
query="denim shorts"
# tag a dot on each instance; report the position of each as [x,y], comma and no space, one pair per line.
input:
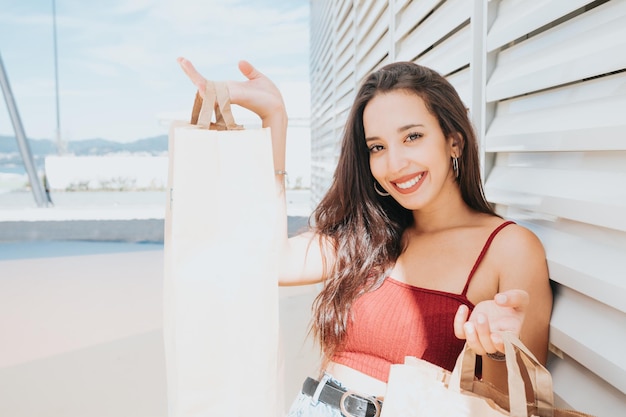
[306,406]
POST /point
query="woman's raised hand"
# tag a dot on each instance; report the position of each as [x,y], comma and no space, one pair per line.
[505,312]
[258,93]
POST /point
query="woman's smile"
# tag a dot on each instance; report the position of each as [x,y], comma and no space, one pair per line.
[406,186]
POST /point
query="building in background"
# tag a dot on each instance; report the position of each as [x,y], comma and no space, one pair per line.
[147,171]
[545,82]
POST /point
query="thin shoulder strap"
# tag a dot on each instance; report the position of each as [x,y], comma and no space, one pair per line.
[483,252]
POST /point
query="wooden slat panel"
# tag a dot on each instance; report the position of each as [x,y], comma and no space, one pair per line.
[577,388]
[370,17]
[343,10]
[323,122]
[344,50]
[323,60]
[516,18]
[344,104]
[588,45]
[345,73]
[399,4]
[591,333]
[446,18]
[321,72]
[322,21]
[345,45]
[324,104]
[345,80]
[370,33]
[463,85]
[597,270]
[411,16]
[343,31]
[370,61]
[452,54]
[585,187]
[325,87]
[558,120]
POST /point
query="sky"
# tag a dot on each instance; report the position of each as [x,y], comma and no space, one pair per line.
[117,70]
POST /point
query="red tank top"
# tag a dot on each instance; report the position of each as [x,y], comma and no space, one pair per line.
[398,320]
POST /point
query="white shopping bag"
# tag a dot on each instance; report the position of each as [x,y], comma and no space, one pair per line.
[220,289]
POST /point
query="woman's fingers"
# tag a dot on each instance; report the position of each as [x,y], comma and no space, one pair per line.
[196,78]
[471,338]
[472,331]
[516,299]
[249,71]
[258,93]
[483,331]
[478,335]
[460,318]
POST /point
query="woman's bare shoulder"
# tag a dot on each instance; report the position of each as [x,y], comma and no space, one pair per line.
[515,240]
[520,258]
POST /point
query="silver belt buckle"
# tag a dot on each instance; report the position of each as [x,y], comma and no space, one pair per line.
[342,403]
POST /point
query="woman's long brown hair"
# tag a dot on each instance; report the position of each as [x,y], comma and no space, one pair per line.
[365,228]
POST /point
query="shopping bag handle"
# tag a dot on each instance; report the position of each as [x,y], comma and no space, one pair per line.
[216,98]
[540,377]
[463,377]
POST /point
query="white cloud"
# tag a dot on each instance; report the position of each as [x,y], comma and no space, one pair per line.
[117,60]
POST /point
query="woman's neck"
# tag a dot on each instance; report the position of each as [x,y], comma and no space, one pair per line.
[450,212]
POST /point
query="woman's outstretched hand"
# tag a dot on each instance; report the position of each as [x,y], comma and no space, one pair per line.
[504,313]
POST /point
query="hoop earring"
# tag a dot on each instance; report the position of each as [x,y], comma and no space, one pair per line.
[380,193]
[455,166]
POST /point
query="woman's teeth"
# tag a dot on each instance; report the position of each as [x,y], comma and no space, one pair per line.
[410,183]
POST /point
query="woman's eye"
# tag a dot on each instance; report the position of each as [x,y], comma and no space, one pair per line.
[376,148]
[413,136]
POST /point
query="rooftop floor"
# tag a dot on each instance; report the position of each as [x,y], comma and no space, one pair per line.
[81,320]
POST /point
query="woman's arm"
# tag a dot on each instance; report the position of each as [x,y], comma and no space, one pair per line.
[523,304]
[300,258]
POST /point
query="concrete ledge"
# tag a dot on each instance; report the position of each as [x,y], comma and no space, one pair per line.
[145,230]
[118,230]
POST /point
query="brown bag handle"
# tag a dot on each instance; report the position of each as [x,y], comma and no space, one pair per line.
[216,98]
[541,380]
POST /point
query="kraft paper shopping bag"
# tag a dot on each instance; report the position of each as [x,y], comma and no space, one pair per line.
[419,388]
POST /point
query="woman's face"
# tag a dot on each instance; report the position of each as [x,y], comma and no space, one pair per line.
[409,155]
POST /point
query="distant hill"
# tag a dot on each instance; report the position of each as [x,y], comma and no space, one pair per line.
[11,160]
[42,147]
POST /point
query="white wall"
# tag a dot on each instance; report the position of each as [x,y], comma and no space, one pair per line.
[129,172]
[545,81]
[114,172]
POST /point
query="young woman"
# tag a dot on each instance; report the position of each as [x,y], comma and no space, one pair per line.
[413,259]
